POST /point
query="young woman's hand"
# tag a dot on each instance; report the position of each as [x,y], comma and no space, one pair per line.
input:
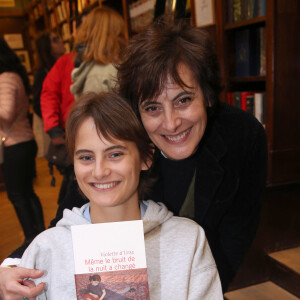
[12,286]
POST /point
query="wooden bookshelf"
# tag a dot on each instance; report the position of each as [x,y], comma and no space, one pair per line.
[281,22]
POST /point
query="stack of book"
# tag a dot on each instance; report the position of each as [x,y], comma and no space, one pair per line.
[253,102]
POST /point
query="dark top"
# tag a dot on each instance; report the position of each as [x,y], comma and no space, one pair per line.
[231,164]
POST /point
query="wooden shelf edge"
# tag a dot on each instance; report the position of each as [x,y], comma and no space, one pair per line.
[244,23]
[248,79]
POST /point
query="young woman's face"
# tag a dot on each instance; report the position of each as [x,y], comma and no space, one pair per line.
[177,119]
[57,45]
[107,172]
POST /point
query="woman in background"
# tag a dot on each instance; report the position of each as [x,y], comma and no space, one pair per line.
[49,48]
[19,145]
[99,41]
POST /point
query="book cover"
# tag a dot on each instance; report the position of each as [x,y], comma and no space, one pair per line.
[110,260]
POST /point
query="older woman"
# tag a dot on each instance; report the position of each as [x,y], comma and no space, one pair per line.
[210,157]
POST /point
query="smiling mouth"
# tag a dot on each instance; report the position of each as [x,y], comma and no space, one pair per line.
[177,138]
[105,186]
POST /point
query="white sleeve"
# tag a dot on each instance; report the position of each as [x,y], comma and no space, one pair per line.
[10,262]
[204,280]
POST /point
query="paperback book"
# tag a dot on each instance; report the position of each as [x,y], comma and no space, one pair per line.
[110,261]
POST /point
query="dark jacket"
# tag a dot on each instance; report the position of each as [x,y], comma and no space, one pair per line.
[230,179]
[39,77]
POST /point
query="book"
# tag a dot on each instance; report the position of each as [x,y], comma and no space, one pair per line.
[230,98]
[237,99]
[247,101]
[247,52]
[229,11]
[237,10]
[259,107]
[262,51]
[113,252]
[261,7]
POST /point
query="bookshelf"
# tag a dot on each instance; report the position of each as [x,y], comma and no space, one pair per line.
[276,26]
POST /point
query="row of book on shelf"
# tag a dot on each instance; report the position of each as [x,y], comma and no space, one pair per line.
[250,50]
[239,10]
[253,102]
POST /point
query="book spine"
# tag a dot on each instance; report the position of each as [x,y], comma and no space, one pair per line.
[259,107]
[261,7]
[237,10]
[230,11]
[245,98]
[230,98]
[262,40]
[237,99]
[250,103]
[242,53]
[254,52]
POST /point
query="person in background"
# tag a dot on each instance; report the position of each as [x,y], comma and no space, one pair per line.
[99,42]
[49,48]
[210,158]
[56,102]
[112,157]
[19,145]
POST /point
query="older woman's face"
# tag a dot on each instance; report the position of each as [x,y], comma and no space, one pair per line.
[177,118]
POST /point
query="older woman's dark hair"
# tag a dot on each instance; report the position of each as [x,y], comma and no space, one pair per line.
[10,62]
[114,118]
[43,46]
[153,56]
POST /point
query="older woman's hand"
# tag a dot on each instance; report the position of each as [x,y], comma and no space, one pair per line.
[12,286]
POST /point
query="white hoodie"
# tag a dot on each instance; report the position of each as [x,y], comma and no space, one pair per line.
[179,261]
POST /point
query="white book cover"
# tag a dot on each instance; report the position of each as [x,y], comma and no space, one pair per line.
[110,261]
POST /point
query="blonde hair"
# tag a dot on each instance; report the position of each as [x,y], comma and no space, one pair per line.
[103,32]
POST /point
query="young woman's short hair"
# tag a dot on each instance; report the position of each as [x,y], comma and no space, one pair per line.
[113,118]
[103,33]
[153,56]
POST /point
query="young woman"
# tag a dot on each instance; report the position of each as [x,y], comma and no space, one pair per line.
[111,154]
[18,143]
[99,41]
[210,159]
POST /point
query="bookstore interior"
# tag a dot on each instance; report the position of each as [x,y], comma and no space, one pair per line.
[259,54]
